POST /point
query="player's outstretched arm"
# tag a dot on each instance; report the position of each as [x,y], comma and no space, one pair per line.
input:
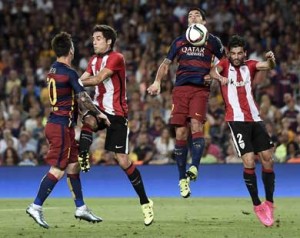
[154,88]
[270,63]
[215,74]
[85,101]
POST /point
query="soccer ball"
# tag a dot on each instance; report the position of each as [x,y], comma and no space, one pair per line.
[196,34]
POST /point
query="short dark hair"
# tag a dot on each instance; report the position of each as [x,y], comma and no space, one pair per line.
[108,32]
[202,12]
[237,41]
[62,44]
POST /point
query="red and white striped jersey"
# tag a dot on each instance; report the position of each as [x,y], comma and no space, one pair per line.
[110,95]
[237,94]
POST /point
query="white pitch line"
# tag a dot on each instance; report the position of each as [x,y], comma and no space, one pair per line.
[23,209]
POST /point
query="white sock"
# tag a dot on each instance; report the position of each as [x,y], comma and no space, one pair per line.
[83,207]
[36,206]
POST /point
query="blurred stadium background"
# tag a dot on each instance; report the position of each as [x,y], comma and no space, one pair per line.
[145,29]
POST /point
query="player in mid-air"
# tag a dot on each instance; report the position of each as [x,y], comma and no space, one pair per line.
[108,68]
[66,94]
[190,96]
[248,132]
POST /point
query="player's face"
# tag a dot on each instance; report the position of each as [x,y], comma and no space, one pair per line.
[237,56]
[195,17]
[101,45]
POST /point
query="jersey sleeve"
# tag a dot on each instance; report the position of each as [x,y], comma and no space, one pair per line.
[221,63]
[252,64]
[252,67]
[75,82]
[115,63]
[173,50]
[218,48]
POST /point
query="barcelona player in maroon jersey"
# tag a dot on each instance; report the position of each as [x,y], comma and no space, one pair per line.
[247,128]
[190,96]
[66,94]
[108,68]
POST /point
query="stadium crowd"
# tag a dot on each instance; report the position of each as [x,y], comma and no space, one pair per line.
[145,29]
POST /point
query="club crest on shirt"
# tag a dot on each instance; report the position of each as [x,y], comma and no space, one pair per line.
[239,84]
[193,50]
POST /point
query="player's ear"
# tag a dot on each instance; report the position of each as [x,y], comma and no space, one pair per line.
[227,52]
[72,49]
[109,41]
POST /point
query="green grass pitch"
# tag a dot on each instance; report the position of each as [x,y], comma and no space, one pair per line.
[174,218]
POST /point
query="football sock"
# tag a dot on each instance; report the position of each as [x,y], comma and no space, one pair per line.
[268,178]
[180,153]
[86,139]
[136,180]
[74,184]
[47,184]
[251,183]
[197,150]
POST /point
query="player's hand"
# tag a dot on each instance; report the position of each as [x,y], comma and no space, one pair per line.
[84,163]
[154,89]
[223,80]
[103,117]
[207,80]
[270,55]
[271,59]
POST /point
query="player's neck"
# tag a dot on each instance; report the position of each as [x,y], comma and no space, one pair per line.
[105,53]
[64,60]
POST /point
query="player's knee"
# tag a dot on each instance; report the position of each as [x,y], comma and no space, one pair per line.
[91,122]
[248,161]
[268,160]
[73,168]
[123,160]
[181,133]
[57,172]
[196,126]
[266,157]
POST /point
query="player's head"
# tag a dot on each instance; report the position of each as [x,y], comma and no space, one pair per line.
[62,44]
[237,50]
[196,15]
[104,38]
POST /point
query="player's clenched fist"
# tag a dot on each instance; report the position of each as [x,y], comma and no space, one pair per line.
[154,88]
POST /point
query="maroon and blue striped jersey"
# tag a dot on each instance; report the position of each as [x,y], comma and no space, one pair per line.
[63,85]
[194,62]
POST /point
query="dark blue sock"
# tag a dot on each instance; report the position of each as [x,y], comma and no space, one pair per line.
[47,184]
[197,150]
[180,153]
[75,188]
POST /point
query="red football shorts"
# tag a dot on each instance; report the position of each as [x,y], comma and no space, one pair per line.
[63,148]
[189,102]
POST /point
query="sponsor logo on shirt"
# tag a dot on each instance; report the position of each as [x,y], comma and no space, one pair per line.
[193,51]
[239,84]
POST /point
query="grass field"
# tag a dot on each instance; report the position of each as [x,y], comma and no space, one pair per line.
[174,217]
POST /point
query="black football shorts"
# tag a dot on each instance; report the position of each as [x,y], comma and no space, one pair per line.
[117,135]
[250,137]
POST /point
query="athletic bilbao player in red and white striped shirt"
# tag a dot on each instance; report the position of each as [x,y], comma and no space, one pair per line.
[248,131]
[107,68]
